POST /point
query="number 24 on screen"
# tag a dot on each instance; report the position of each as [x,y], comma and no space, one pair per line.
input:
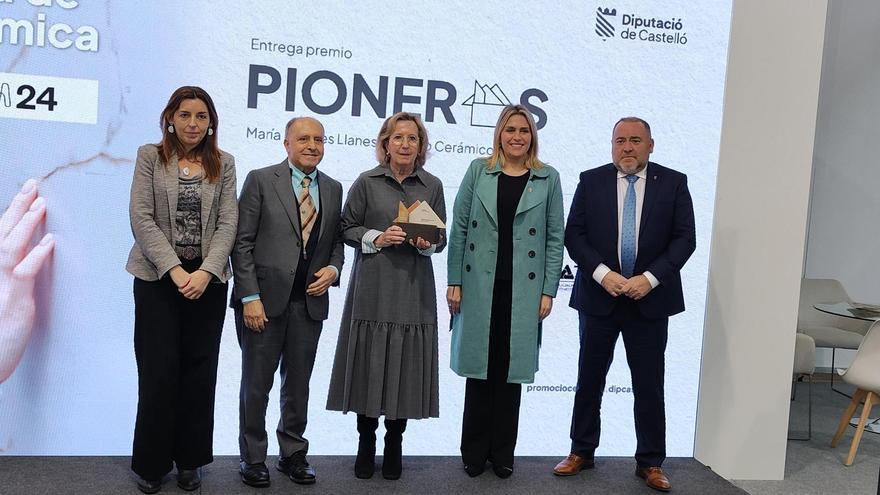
[29,100]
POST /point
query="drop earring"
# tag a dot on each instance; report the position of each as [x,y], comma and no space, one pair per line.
[171,128]
[210,131]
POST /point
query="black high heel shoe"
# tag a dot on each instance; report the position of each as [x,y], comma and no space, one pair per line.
[149,486]
[189,479]
[502,471]
[474,470]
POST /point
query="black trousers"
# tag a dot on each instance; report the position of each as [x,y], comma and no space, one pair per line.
[645,343]
[176,345]
[491,406]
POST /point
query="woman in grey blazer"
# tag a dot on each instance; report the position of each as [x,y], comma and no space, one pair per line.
[183,216]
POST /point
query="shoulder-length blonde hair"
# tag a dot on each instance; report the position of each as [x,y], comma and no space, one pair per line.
[497,157]
[388,129]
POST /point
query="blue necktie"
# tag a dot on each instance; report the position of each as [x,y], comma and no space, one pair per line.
[628,229]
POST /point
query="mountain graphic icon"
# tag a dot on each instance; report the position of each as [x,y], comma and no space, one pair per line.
[486,104]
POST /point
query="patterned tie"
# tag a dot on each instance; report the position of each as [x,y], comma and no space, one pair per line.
[307,213]
[628,229]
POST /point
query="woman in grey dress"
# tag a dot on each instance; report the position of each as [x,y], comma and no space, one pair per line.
[386,355]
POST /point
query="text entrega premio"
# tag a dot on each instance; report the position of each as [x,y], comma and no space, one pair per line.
[420,220]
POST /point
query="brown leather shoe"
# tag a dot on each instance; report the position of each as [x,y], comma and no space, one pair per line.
[573,464]
[654,478]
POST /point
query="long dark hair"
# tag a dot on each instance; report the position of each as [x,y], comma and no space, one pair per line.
[207,150]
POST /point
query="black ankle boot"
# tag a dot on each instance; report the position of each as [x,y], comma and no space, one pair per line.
[365,464]
[391,461]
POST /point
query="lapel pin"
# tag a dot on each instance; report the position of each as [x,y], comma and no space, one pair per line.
[655,177]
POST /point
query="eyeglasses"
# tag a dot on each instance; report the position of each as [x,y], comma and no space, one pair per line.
[399,140]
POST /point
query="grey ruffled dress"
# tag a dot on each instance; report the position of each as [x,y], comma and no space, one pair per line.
[386,354]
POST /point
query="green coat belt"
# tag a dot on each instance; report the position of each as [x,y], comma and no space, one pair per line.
[538,237]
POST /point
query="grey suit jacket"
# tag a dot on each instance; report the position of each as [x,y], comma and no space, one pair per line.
[268,243]
[153,208]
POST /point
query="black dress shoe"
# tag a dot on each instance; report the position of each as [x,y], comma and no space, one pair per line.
[297,468]
[189,479]
[149,486]
[502,471]
[256,475]
[474,470]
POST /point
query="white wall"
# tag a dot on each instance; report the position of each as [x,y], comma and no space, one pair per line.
[844,233]
[758,236]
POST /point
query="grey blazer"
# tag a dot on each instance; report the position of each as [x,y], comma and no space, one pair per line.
[153,208]
[268,243]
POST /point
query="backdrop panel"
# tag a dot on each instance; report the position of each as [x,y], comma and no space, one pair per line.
[578,66]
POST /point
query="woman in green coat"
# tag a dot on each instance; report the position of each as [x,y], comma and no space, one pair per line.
[505,245]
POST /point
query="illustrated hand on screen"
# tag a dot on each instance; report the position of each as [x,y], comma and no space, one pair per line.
[19,266]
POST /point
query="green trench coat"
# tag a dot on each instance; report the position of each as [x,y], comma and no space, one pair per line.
[538,232]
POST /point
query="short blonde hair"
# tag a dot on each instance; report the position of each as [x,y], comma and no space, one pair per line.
[388,128]
[497,157]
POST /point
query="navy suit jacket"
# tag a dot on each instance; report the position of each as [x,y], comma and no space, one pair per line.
[667,237]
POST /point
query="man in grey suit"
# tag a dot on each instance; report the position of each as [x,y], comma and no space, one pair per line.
[288,251]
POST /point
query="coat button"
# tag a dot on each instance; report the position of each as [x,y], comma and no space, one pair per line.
[472,246]
[474,224]
[467,268]
[531,275]
[531,254]
[532,231]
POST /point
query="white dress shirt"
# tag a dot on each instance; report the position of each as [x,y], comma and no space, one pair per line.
[622,185]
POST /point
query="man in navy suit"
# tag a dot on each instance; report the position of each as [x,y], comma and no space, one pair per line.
[630,230]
